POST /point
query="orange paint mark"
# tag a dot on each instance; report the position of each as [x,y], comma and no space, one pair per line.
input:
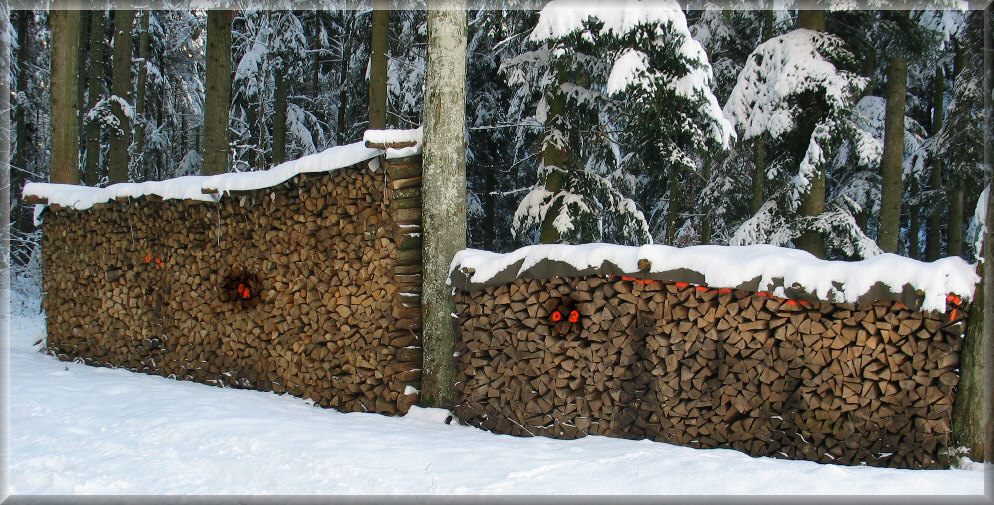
[792,303]
[574,316]
[954,299]
[702,288]
[724,290]
[246,294]
[764,293]
[805,304]
[640,281]
[148,258]
[557,316]
[682,285]
[952,316]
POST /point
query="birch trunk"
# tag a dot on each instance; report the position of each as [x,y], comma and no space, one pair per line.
[444,193]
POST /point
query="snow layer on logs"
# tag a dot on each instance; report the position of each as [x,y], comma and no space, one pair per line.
[787,273]
[210,188]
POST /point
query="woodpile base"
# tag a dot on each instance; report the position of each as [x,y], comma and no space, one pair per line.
[836,383]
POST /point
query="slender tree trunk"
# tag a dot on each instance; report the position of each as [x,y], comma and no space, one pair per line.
[673,188]
[142,168]
[444,193]
[81,60]
[279,116]
[933,238]
[118,157]
[343,90]
[217,99]
[955,184]
[95,85]
[759,143]
[892,160]
[65,127]
[260,151]
[379,45]
[956,217]
[5,39]
[914,225]
[813,202]
[554,160]
[20,157]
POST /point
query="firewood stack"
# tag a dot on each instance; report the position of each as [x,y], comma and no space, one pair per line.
[303,288]
[837,383]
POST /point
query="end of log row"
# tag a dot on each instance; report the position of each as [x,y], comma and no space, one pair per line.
[208,191]
[35,200]
[390,145]
[644,265]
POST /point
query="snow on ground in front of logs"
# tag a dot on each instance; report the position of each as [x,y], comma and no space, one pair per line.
[76,429]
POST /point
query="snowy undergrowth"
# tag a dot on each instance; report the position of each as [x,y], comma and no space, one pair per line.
[76,429]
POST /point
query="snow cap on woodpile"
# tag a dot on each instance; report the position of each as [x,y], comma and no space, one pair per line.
[787,273]
[390,143]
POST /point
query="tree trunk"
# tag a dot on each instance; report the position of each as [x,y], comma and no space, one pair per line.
[343,90]
[759,143]
[5,38]
[914,224]
[118,157]
[673,188]
[81,60]
[933,237]
[554,160]
[140,105]
[378,46]
[217,99]
[444,193]
[813,202]
[892,160]
[279,116]
[65,127]
[988,344]
[95,86]
[955,246]
[20,158]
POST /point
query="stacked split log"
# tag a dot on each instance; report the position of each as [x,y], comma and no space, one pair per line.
[841,383]
[302,288]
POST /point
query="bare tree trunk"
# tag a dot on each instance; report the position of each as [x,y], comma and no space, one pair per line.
[934,221]
[444,193]
[343,91]
[759,143]
[955,189]
[988,334]
[378,47]
[95,85]
[813,202]
[142,168]
[217,99]
[81,60]
[914,225]
[279,116]
[118,157]
[554,159]
[892,160]
[65,127]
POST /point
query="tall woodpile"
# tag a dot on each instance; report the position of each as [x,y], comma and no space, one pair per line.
[837,383]
[306,288]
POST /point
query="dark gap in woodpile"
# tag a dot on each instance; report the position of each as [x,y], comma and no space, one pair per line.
[868,383]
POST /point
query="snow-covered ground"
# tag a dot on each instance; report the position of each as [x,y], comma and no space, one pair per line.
[76,429]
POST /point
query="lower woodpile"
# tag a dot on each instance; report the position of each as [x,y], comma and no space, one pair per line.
[706,368]
[303,288]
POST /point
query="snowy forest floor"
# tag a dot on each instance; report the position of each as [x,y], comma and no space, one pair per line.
[76,429]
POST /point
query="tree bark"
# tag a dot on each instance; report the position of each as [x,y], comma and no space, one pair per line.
[813,202]
[444,193]
[140,105]
[378,47]
[914,225]
[988,334]
[933,237]
[81,60]
[954,246]
[892,160]
[554,160]
[20,157]
[343,90]
[118,157]
[217,99]
[279,116]
[95,86]
[64,124]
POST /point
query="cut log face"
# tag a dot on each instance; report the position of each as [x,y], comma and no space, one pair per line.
[838,383]
[298,288]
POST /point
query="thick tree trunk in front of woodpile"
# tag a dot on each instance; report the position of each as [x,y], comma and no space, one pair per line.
[444,193]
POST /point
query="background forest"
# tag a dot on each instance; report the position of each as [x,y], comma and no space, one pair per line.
[845,133]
